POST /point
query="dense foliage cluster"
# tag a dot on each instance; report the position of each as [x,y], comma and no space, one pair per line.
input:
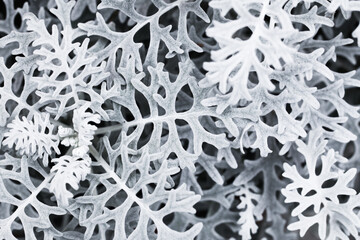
[179,119]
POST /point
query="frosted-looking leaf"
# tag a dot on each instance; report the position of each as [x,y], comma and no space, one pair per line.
[9,16]
[218,216]
[265,204]
[312,190]
[31,215]
[241,52]
[177,41]
[68,170]
[248,195]
[8,96]
[180,119]
[82,133]
[36,138]
[137,196]
[65,78]
[81,122]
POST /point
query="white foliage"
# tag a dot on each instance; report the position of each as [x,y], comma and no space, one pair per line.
[274,70]
[170,144]
[68,170]
[83,131]
[18,188]
[308,188]
[237,58]
[249,196]
[65,78]
[34,138]
[72,169]
[134,177]
[81,123]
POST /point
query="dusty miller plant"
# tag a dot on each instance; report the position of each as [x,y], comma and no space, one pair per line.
[179,119]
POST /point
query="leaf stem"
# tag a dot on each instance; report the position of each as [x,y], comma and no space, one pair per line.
[107,129]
